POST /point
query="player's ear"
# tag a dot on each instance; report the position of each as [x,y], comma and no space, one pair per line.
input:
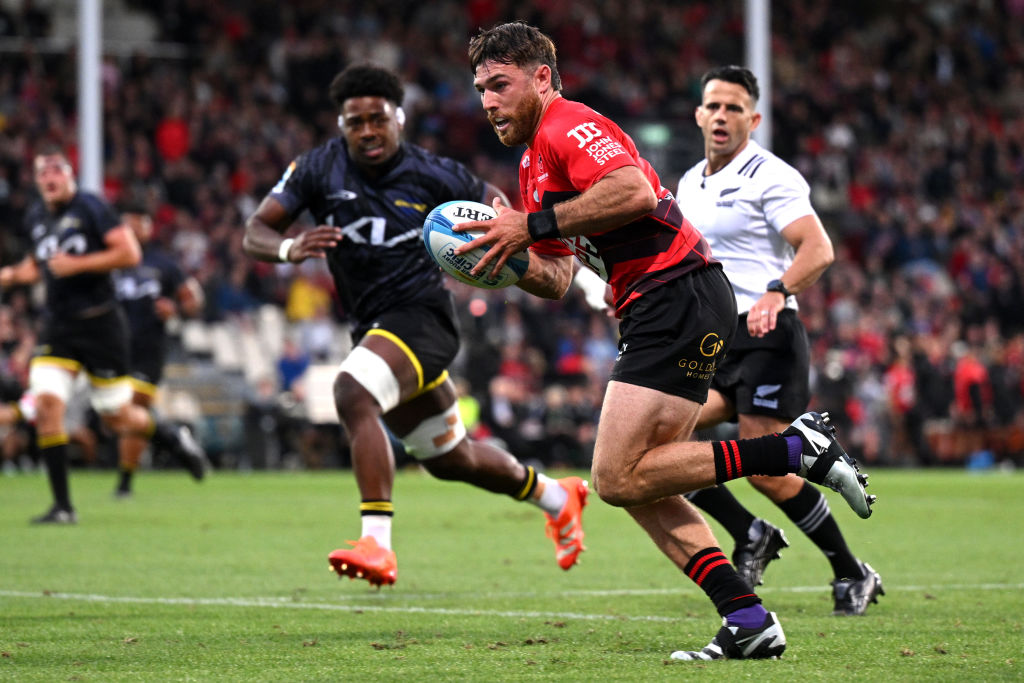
[341,122]
[542,78]
[400,117]
[755,120]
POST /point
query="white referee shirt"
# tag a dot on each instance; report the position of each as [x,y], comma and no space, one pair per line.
[741,211]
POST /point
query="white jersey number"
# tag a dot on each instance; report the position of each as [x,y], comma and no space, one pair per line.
[586,252]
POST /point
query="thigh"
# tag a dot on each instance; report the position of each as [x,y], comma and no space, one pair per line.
[635,419]
[424,335]
[402,354]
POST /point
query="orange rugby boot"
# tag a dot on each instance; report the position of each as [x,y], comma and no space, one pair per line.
[365,560]
[567,529]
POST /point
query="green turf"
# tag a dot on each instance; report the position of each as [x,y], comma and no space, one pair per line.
[228,580]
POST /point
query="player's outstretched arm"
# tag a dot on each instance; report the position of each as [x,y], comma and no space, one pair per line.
[264,236]
[24,272]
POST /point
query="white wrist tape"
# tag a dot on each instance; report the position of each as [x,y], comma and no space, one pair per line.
[282,251]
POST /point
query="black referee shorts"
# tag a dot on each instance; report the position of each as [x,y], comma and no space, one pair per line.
[768,375]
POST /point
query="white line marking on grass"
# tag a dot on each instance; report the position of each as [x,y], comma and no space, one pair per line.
[684,590]
[287,603]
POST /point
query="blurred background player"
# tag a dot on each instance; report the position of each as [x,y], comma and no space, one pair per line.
[77,241]
[755,211]
[151,293]
[588,193]
[369,193]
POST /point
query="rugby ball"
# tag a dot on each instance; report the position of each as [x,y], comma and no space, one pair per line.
[441,243]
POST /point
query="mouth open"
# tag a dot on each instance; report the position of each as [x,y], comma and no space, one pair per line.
[372,151]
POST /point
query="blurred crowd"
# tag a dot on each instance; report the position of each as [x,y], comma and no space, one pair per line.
[907,119]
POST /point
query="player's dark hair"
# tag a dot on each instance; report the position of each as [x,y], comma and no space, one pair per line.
[515,43]
[51,149]
[366,80]
[740,75]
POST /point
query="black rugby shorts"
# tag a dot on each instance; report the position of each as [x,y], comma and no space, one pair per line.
[99,343]
[427,332]
[673,338]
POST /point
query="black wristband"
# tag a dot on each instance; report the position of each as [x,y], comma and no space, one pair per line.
[780,287]
[542,225]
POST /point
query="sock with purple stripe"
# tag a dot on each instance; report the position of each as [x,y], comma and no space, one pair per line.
[747,617]
[795,445]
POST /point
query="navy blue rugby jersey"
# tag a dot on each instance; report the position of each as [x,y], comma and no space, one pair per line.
[76,228]
[380,263]
[138,289]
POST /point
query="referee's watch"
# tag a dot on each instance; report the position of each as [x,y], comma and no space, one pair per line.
[778,286]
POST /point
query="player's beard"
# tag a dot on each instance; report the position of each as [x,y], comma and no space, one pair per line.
[522,121]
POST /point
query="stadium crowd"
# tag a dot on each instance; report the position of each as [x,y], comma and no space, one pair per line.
[907,120]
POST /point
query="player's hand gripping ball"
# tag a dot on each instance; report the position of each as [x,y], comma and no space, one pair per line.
[441,243]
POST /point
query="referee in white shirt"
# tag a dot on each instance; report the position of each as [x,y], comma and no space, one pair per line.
[755,211]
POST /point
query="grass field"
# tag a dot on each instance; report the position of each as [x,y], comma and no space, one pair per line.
[228,580]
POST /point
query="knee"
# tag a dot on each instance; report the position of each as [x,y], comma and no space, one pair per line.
[118,420]
[453,465]
[49,414]
[613,485]
[352,401]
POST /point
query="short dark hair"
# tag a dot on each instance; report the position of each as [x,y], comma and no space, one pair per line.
[740,75]
[49,148]
[515,43]
[366,80]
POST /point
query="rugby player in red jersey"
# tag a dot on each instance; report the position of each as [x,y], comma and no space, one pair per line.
[589,194]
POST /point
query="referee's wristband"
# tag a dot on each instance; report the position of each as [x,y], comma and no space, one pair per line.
[542,225]
[284,248]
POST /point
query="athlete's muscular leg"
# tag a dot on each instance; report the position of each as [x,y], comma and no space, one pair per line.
[676,527]
[372,460]
[640,455]
[778,489]
[470,461]
[128,419]
[131,446]
[49,415]
[639,424]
